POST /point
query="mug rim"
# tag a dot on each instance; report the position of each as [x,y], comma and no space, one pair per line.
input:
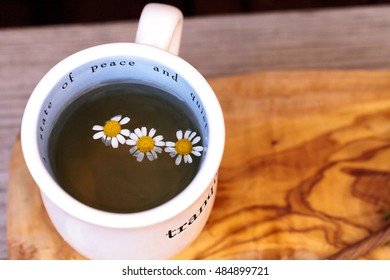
[52,190]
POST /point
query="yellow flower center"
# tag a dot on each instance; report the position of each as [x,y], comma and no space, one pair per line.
[145,144]
[183,147]
[112,128]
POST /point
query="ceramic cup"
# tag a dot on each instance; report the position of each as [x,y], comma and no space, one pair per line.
[157,233]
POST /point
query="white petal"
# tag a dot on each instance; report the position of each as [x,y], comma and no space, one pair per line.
[140,157]
[160,143]
[169,144]
[149,156]
[125,132]
[134,136]
[187,133]
[125,120]
[169,149]
[158,149]
[144,131]
[116,118]
[196,140]
[138,132]
[152,132]
[192,135]
[189,158]
[131,142]
[114,142]
[196,153]
[158,138]
[154,153]
[97,127]
[179,134]
[98,135]
[185,158]
[178,159]
[197,148]
[121,139]
[133,149]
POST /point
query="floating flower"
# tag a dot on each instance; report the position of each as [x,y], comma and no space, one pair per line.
[144,143]
[184,147]
[112,133]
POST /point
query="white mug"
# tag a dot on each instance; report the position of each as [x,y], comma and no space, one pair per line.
[157,233]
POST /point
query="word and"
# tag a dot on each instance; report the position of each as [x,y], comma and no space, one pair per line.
[166,73]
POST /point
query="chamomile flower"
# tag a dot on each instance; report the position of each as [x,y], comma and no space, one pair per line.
[145,144]
[184,147]
[112,132]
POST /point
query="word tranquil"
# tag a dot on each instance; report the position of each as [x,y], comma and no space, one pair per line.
[173,232]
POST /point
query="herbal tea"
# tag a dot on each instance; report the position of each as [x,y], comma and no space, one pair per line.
[125,148]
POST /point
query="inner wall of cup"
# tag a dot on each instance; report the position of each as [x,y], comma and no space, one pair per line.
[111,70]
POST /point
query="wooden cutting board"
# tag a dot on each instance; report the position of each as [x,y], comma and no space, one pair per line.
[305,174]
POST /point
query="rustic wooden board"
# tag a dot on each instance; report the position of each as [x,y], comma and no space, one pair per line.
[305,174]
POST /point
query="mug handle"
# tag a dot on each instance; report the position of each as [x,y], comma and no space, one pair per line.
[160,26]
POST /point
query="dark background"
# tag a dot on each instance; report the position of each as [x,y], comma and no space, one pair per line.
[42,12]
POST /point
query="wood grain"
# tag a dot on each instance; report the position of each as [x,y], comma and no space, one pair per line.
[364,246]
[305,174]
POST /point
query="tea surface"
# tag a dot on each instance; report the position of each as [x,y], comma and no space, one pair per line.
[112,179]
